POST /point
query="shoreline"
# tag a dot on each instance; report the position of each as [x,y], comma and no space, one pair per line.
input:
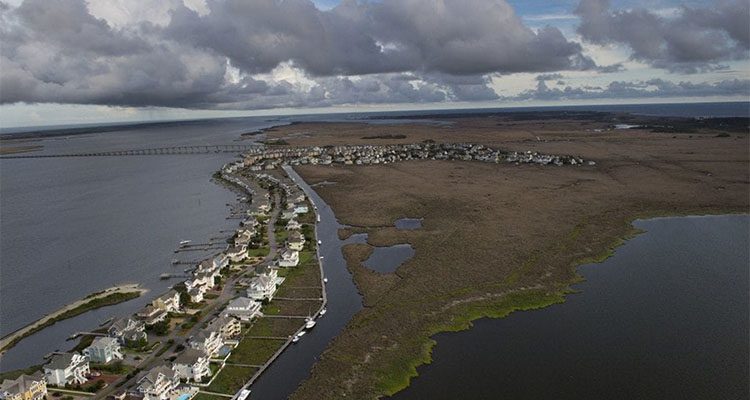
[115,294]
[508,302]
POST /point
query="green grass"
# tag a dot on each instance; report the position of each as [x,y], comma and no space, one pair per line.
[306,257]
[259,252]
[254,351]
[231,379]
[206,396]
[111,299]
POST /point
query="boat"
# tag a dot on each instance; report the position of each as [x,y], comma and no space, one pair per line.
[175,261]
[325,280]
[298,336]
[320,241]
[318,216]
[185,242]
[323,312]
[243,394]
[309,323]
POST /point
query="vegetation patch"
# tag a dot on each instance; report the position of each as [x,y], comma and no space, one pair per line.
[254,351]
[231,379]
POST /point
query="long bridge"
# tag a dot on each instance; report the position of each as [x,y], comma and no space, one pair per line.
[158,151]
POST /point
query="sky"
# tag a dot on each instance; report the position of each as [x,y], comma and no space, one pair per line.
[90,61]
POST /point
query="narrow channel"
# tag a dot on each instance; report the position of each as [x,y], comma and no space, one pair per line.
[293,366]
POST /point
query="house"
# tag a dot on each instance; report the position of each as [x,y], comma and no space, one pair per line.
[67,368]
[192,365]
[196,294]
[151,315]
[228,327]
[169,302]
[289,258]
[25,387]
[300,209]
[243,308]
[237,253]
[295,241]
[288,214]
[244,237]
[159,383]
[220,261]
[207,341]
[127,329]
[293,225]
[103,350]
[264,284]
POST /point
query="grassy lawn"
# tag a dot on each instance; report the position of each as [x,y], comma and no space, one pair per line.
[270,309]
[259,252]
[275,327]
[205,396]
[231,379]
[254,351]
[306,258]
[290,291]
[301,275]
[297,307]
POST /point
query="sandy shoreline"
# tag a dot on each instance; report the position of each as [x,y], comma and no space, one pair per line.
[11,339]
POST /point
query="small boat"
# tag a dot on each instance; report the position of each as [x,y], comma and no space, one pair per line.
[310,323]
[320,241]
[243,394]
[105,322]
[185,242]
[325,280]
[323,312]
[318,216]
[298,336]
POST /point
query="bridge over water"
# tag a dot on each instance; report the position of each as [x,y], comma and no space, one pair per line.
[158,151]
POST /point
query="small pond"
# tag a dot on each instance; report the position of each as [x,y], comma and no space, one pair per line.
[409,223]
[387,259]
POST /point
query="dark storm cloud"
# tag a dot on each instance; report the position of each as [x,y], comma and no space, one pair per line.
[695,40]
[653,88]
[401,50]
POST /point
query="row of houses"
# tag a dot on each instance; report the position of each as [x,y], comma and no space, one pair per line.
[270,158]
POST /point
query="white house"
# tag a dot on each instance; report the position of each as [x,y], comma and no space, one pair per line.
[207,341]
[295,241]
[228,327]
[243,308]
[151,315]
[300,209]
[25,387]
[192,365]
[289,258]
[67,368]
[244,237]
[127,329]
[169,302]
[159,383]
[196,294]
[288,214]
[103,350]
[264,284]
[237,253]
[293,225]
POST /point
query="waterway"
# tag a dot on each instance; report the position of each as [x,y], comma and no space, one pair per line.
[387,259]
[665,318]
[294,364]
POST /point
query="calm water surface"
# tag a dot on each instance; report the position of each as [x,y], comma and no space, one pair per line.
[665,318]
[387,259]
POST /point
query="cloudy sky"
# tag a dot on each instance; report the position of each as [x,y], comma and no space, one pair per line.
[78,61]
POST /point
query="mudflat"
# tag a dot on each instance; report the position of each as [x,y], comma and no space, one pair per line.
[497,238]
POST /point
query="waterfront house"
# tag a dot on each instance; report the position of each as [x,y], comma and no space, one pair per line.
[127,329]
[25,387]
[207,341]
[243,308]
[159,383]
[244,237]
[227,327]
[169,302]
[237,253]
[300,209]
[151,315]
[289,258]
[288,214]
[264,284]
[196,294]
[293,225]
[67,368]
[192,365]
[103,350]
[220,261]
[295,241]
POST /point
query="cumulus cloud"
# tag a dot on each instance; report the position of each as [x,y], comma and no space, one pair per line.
[652,88]
[690,39]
